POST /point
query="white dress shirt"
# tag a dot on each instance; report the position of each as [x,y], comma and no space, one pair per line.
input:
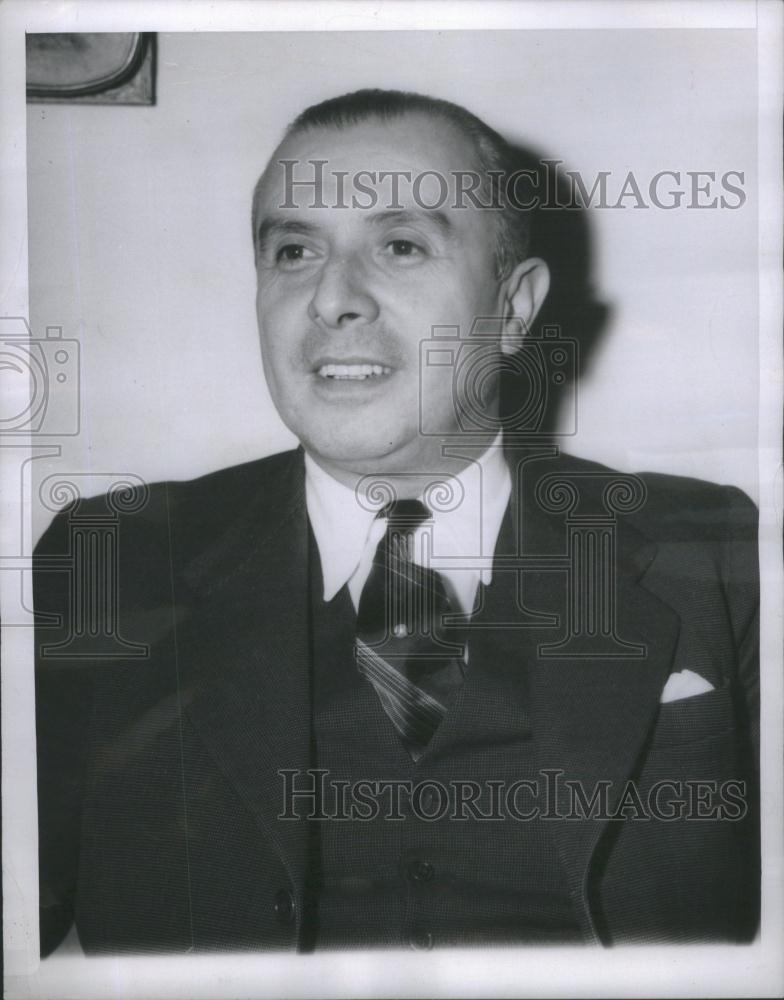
[459,540]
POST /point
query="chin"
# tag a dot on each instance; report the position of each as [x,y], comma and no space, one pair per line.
[362,453]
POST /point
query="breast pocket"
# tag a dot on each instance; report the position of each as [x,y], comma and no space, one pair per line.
[699,717]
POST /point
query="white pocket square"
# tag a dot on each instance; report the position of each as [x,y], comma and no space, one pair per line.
[684,685]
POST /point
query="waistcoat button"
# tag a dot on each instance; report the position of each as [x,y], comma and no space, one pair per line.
[420,939]
[284,906]
[421,871]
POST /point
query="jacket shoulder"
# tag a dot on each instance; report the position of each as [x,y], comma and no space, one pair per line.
[683,507]
[196,508]
[671,508]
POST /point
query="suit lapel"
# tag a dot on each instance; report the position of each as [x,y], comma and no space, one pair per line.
[245,653]
[592,715]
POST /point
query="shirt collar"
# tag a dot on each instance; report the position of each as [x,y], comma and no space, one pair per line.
[340,523]
[465,531]
[467,516]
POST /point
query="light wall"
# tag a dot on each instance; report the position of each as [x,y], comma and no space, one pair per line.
[140,238]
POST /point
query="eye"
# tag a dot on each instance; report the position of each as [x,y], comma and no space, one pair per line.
[405,248]
[404,252]
[292,254]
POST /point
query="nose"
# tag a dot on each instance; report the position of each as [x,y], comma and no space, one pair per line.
[342,298]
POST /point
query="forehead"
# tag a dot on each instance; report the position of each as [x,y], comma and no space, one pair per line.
[423,151]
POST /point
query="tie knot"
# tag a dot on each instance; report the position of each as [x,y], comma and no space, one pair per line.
[405,515]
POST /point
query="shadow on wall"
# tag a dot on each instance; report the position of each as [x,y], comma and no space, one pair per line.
[542,391]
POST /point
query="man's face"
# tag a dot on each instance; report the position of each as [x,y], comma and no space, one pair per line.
[346,294]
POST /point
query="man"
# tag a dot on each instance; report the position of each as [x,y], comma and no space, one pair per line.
[423,681]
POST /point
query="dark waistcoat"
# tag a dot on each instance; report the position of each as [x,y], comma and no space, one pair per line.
[453,863]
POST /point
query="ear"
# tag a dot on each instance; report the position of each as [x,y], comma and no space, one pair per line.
[522,295]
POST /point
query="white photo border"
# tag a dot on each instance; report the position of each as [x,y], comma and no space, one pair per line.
[708,970]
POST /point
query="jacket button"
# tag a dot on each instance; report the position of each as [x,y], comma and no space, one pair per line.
[420,939]
[421,871]
[284,906]
[428,801]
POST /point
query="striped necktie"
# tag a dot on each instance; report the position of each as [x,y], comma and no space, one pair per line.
[404,646]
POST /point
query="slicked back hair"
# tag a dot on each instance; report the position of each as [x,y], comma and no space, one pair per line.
[494,157]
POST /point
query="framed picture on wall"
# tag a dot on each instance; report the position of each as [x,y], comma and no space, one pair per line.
[99,68]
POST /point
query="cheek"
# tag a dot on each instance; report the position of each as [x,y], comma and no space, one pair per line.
[280,330]
[278,295]
[458,298]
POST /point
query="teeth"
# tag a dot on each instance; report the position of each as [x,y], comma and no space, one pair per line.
[353,371]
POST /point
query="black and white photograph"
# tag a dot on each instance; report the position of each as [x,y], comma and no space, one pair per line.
[391,463]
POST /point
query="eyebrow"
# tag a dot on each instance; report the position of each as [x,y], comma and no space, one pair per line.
[282,227]
[409,216]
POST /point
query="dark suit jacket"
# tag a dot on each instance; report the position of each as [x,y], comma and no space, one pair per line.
[158,785]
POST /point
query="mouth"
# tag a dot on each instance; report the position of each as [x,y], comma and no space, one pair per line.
[352,372]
